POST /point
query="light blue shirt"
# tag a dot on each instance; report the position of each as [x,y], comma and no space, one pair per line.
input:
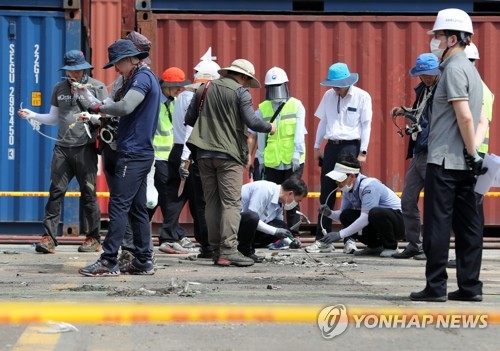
[372,193]
[262,197]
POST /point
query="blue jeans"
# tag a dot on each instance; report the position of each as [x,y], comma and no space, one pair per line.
[128,199]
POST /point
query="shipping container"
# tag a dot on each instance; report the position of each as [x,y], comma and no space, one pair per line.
[380,48]
[32,45]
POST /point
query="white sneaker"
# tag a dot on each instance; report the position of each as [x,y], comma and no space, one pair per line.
[388,252]
[319,246]
[186,243]
[350,247]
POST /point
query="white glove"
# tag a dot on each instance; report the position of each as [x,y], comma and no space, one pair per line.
[151,192]
[82,90]
[87,117]
[26,113]
[295,164]
[183,171]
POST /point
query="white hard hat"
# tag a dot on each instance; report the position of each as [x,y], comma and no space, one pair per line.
[276,76]
[208,66]
[452,19]
[471,52]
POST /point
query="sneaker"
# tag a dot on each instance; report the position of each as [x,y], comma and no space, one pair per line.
[389,252]
[279,245]
[90,245]
[137,268]
[102,268]
[296,243]
[370,251]
[173,248]
[126,256]
[406,253]
[186,243]
[46,245]
[350,247]
[209,254]
[319,246]
[234,259]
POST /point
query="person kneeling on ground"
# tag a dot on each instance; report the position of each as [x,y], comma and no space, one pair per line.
[262,224]
[367,206]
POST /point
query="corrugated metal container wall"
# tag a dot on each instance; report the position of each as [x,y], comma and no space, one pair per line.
[105,30]
[380,48]
[32,48]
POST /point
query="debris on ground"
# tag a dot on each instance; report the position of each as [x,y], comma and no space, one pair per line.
[58,327]
[176,287]
[91,287]
[273,287]
[10,252]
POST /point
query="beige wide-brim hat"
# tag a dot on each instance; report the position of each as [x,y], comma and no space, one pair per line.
[245,67]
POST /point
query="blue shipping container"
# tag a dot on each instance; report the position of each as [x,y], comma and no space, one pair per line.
[32,46]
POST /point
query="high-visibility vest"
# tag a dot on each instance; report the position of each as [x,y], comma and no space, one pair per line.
[280,146]
[163,140]
[488,99]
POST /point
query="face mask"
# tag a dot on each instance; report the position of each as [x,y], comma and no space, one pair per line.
[291,205]
[434,44]
[346,188]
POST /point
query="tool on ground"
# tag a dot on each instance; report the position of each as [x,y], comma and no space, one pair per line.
[183,180]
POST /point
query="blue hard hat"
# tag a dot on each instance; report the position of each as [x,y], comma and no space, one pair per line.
[339,76]
[427,64]
[123,48]
[74,60]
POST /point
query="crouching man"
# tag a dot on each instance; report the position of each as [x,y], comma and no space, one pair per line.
[262,204]
[369,211]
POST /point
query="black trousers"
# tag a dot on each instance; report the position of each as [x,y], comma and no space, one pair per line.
[278,177]
[67,163]
[385,227]
[331,155]
[450,203]
[249,237]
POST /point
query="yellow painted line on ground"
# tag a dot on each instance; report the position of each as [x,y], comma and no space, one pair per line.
[31,340]
[39,312]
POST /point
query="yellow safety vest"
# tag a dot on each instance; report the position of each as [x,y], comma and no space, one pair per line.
[488,99]
[281,145]
[164,135]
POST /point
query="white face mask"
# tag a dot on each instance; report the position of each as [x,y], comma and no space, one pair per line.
[434,45]
[291,205]
[346,188]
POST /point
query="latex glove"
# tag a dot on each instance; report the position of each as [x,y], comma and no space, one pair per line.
[295,165]
[81,89]
[87,117]
[325,210]
[183,172]
[26,113]
[331,237]
[282,233]
[475,163]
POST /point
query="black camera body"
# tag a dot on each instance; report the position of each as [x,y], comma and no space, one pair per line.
[411,114]
[109,129]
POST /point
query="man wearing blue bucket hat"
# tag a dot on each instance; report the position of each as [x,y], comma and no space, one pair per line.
[345,114]
[137,104]
[74,153]
[427,69]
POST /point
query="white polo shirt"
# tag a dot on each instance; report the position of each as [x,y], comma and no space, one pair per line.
[347,118]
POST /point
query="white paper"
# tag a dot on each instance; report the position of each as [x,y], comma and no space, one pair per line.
[490,178]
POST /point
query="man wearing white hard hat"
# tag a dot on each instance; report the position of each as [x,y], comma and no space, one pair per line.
[345,114]
[283,154]
[450,201]
[220,113]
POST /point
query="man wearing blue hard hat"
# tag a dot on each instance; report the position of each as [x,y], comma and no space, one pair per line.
[427,69]
[345,114]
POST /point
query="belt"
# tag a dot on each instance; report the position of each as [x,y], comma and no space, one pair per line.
[337,142]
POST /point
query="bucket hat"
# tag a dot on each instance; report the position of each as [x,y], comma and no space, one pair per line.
[339,76]
[173,77]
[74,60]
[427,64]
[123,48]
[141,43]
[245,67]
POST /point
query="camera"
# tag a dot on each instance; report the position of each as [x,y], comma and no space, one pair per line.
[109,129]
[412,116]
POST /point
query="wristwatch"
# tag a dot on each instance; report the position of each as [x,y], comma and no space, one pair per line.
[363,152]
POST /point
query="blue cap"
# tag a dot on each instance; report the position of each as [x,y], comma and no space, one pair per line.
[123,48]
[427,64]
[339,76]
[74,60]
